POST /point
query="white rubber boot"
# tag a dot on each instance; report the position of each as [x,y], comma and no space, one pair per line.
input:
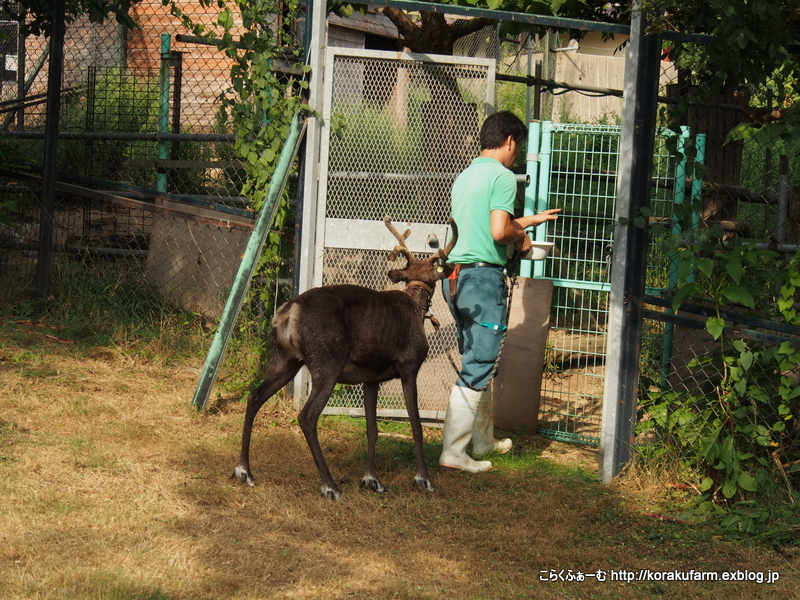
[483,441]
[458,422]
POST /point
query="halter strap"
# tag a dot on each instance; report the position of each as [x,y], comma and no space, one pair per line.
[420,284]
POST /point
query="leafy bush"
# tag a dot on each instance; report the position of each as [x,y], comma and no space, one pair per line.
[740,438]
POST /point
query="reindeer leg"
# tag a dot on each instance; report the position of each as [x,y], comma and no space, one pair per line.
[278,375]
[321,389]
[422,480]
[370,479]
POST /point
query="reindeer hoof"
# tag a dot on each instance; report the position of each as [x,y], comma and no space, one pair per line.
[424,484]
[331,493]
[243,475]
[372,483]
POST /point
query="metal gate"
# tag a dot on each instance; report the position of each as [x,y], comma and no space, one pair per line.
[577,169]
[397,130]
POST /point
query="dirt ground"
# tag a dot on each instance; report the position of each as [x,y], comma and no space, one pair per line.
[113,487]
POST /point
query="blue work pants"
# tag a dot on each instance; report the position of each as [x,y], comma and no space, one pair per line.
[479,311]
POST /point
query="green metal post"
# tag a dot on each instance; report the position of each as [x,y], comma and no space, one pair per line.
[679,197]
[247,267]
[697,186]
[532,170]
[163,110]
[697,179]
[543,192]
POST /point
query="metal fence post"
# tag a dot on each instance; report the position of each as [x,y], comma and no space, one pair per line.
[49,169]
[163,110]
[532,169]
[315,44]
[679,196]
[543,192]
[247,267]
[624,347]
[697,174]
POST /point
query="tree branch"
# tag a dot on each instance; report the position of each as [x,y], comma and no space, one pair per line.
[461,28]
[404,25]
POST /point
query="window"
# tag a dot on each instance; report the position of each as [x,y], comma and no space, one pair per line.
[9,61]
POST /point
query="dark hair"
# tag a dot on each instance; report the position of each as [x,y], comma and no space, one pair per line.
[497,127]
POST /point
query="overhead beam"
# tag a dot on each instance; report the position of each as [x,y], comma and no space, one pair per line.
[506,15]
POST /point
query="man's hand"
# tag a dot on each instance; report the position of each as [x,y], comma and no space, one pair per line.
[551,214]
[524,245]
[522,223]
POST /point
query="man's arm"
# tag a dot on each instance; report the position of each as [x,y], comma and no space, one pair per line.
[506,230]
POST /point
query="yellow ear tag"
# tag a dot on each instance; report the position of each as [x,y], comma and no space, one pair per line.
[439,269]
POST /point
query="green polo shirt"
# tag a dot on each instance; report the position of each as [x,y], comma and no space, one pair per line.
[484,186]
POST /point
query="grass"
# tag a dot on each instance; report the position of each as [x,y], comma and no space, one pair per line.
[113,488]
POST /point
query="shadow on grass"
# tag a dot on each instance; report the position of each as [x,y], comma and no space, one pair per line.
[509,533]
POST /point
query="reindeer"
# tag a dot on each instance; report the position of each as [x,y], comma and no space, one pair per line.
[351,334]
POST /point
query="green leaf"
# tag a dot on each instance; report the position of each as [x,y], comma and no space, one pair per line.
[746,360]
[706,266]
[729,488]
[734,268]
[706,484]
[742,131]
[747,482]
[686,290]
[715,327]
[785,303]
[685,268]
[727,453]
[710,448]
[736,293]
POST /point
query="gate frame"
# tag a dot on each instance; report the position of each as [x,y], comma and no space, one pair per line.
[317,228]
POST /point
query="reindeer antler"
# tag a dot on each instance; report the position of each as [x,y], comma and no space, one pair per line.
[402,248]
[441,254]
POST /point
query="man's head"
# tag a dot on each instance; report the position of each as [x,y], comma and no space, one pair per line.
[498,127]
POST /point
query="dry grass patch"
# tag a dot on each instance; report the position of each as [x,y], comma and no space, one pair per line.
[112,487]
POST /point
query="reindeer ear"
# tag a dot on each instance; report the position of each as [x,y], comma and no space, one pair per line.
[396,275]
[443,270]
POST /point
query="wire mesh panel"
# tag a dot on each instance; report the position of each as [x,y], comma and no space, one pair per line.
[399,128]
[583,179]
[583,184]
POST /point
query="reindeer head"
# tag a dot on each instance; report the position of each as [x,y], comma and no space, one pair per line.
[427,271]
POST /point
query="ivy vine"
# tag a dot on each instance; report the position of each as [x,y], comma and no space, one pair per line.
[267,84]
[737,428]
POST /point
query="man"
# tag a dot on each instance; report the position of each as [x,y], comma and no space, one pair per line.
[483,208]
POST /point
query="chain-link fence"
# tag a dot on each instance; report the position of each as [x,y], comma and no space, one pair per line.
[717,377]
[148,202]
